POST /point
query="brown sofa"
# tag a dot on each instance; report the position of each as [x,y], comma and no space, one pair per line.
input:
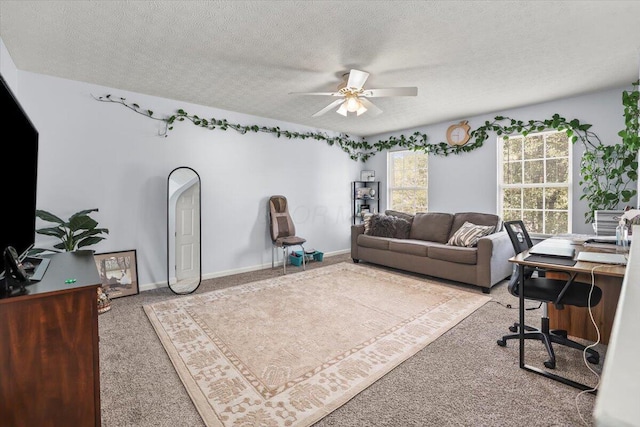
[423,246]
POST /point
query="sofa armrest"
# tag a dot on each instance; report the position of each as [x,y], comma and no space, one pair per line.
[356,230]
[494,252]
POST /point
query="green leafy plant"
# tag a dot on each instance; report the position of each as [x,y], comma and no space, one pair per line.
[631,133]
[79,231]
[608,170]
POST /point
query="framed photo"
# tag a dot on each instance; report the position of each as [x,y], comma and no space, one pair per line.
[367,175]
[118,273]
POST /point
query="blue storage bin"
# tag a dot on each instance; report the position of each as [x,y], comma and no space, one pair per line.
[295,258]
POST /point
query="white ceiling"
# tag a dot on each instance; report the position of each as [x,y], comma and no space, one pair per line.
[465,57]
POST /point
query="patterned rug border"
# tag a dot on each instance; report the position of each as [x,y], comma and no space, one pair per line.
[213,419]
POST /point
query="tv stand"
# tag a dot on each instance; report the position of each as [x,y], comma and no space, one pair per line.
[49,340]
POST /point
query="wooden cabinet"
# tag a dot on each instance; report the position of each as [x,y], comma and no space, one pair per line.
[365,197]
[49,360]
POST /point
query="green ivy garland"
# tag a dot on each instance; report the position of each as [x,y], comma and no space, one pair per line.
[606,170]
[357,149]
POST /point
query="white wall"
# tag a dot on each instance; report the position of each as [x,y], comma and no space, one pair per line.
[100,155]
[468,181]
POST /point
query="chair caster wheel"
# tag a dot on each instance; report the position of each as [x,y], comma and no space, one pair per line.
[513,328]
[549,364]
[593,359]
[502,343]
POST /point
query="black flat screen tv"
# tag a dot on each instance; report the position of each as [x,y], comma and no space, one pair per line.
[19,165]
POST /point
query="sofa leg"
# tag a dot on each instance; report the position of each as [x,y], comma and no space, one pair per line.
[355,261]
[486,290]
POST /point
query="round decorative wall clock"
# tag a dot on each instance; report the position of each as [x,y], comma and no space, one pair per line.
[458,134]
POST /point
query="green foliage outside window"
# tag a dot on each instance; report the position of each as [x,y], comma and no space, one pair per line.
[535,184]
[408,180]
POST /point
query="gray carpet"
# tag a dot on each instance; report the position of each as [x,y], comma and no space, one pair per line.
[462,379]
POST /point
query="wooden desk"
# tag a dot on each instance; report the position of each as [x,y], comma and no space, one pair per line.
[607,277]
[576,320]
[49,361]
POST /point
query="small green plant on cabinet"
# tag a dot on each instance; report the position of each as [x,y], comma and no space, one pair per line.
[79,231]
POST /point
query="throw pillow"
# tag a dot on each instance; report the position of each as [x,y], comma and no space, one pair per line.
[469,234]
[403,228]
[399,214]
[367,223]
[382,226]
[387,226]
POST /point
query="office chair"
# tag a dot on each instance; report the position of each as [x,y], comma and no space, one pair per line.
[283,231]
[556,291]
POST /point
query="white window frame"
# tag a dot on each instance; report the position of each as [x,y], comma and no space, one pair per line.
[569,184]
[390,180]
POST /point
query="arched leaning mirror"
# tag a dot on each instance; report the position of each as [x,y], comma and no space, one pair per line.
[184,269]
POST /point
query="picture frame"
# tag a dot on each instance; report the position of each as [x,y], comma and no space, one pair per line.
[118,273]
[367,175]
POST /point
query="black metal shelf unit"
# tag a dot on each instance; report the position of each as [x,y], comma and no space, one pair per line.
[365,197]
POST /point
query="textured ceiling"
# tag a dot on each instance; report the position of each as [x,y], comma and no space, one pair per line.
[466,57]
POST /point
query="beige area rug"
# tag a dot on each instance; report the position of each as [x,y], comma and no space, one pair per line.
[288,351]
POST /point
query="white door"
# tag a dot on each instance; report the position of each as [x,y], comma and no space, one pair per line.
[188,234]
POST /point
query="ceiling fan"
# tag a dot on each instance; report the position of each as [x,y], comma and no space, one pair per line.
[353,96]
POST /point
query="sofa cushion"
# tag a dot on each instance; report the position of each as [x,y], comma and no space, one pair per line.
[475,218]
[388,226]
[457,254]
[431,226]
[408,246]
[373,242]
[469,233]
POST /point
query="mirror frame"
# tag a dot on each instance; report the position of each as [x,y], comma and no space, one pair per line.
[171,208]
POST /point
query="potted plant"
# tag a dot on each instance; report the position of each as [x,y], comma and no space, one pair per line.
[79,231]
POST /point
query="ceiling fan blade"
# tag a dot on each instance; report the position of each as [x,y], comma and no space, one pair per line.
[357,79]
[371,108]
[317,93]
[328,107]
[392,91]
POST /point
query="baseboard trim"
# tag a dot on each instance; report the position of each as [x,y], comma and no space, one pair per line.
[160,285]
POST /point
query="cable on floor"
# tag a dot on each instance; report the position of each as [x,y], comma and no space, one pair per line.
[584,352]
[511,307]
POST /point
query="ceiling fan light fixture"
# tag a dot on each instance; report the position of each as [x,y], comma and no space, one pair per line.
[353,104]
[353,97]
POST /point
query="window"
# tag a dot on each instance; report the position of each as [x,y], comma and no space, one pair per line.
[534,181]
[407,178]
